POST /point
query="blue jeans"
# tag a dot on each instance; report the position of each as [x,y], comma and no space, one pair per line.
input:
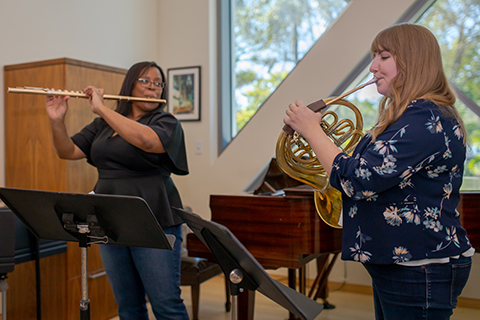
[424,292]
[134,272]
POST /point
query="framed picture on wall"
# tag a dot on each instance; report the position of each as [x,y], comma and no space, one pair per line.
[184,93]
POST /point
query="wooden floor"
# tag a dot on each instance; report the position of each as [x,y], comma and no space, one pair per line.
[349,306]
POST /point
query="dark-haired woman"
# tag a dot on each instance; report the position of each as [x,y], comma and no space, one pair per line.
[135,148]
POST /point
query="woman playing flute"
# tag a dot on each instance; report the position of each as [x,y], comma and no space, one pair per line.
[135,148]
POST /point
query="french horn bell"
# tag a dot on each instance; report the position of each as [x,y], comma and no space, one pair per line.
[297,159]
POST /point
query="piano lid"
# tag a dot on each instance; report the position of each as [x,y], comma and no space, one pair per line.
[274,180]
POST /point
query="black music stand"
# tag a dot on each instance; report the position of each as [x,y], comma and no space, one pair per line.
[87,219]
[244,271]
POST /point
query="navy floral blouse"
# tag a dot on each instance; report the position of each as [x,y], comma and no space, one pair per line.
[400,192]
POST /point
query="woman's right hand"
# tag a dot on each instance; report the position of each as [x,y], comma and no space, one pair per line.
[95,98]
[57,107]
[303,120]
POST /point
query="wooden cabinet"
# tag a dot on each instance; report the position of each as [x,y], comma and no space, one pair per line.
[31,163]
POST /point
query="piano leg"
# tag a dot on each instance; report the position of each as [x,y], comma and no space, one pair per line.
[292,283]
[324,267]
[302,280]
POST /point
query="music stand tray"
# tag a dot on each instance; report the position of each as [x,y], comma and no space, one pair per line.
[87,219]
[243,270]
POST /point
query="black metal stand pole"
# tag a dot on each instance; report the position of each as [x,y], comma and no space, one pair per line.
[83,230]
[3,291]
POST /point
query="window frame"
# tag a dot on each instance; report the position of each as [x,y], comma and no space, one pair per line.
[224,75]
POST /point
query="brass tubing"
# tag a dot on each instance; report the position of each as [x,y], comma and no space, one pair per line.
[297,159]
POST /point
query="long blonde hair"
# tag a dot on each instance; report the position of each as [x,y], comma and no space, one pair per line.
[420,74]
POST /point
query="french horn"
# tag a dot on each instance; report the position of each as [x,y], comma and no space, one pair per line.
[297,159]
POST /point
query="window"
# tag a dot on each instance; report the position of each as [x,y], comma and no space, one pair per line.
[261,42]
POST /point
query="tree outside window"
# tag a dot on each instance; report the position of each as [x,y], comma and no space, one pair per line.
[270,38]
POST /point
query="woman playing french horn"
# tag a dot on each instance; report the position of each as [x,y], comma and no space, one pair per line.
[400,186]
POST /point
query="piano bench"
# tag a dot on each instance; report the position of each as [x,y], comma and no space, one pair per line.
[194,271]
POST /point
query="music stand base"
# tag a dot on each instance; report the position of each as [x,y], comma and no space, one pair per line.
[85,314]
[4,287]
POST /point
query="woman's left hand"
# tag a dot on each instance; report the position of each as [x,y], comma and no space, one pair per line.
[95,98]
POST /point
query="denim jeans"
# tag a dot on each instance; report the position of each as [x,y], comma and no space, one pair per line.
[134,272]
[425,292]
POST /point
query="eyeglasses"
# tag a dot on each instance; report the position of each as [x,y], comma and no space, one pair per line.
[156,84]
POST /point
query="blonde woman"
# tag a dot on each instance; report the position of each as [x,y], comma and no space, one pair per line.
[401,185]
